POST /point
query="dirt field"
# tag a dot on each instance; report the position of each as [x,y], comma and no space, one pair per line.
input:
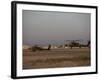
[56,58]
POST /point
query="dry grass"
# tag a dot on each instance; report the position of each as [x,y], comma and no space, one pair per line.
[56,58]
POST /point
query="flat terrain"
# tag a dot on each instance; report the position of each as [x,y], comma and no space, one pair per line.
[56,58]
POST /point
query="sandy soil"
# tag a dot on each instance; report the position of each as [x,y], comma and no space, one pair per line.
[56,58]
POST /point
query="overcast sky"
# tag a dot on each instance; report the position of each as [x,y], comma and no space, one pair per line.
[42,27]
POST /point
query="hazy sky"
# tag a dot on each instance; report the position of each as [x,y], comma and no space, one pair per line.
[42,27]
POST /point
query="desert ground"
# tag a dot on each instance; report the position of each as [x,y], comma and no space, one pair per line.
[53,58]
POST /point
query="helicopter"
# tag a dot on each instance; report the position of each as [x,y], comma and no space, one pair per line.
[77,43]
